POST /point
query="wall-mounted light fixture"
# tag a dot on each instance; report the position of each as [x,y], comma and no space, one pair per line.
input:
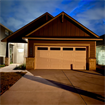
[20,50]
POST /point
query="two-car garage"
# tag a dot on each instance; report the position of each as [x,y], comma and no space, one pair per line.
[58,42]
[60,57]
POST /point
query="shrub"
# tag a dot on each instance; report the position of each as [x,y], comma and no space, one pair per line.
[2,66]
[20,67]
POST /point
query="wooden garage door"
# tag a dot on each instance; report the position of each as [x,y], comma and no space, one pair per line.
[55,57]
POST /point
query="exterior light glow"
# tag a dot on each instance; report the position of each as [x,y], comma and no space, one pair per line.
[101,57]
[20,50]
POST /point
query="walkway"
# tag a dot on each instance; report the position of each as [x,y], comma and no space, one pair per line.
[10,68]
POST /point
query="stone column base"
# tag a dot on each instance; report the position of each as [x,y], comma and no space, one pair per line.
[7,61]
[30,63]
[92,63]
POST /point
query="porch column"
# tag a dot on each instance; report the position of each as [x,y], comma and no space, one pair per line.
[7,59]
[30,63]
[92,60]
[92,63]
[30,60]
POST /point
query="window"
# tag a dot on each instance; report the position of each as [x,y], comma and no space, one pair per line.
[80,49]
[10,33]
[54,48]
[68,49]
[42,48]
[6,32]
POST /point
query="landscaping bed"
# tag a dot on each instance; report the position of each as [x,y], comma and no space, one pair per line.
[7,79]
[20,67]
[100,69]
[2,66]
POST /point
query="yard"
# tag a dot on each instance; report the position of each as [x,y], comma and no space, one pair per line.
[8,79]
[2,66]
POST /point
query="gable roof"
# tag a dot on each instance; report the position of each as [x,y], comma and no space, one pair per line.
[45,14]
[63,13]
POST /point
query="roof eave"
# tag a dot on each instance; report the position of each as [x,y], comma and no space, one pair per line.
[81,39]
[5,39]
[69,18]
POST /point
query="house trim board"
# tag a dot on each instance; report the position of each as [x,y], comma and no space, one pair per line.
[61,38]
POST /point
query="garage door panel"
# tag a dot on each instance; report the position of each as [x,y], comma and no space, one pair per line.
[54,55]
[82,54]
[42,63]
[54,63]
[60,59]
[77,65]
[60,64]
[80,60]
[67,55]
[43,54]
[67,64]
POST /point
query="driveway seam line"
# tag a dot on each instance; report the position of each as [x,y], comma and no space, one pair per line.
[74,87]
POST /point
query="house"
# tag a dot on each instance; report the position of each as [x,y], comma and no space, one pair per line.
[4,32]
[15,51]
[100,51]
[58,42]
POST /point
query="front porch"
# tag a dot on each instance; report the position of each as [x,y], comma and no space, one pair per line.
[16,53]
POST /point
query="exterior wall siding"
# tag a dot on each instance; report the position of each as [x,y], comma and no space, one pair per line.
[31,51]
[28,29]
[57,28]
[3,44]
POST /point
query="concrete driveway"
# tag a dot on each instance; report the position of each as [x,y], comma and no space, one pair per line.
[56,87]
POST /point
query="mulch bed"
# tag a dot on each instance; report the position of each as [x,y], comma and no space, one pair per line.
[100,69]
[7,79]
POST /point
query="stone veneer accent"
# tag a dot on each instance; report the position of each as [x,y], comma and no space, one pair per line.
[92,63]
[7,61]
[30,63]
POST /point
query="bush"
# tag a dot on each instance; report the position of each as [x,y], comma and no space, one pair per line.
[2,66]
[20,67]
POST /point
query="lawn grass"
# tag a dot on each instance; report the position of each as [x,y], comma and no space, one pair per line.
[8,79]
[2,66]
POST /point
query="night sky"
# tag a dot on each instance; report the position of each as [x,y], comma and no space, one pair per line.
[14,14]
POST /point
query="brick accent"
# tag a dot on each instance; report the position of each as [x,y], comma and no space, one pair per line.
[30,63]
[92,63]
[7,61]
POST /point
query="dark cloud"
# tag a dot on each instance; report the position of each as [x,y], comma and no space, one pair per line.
[17,13]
